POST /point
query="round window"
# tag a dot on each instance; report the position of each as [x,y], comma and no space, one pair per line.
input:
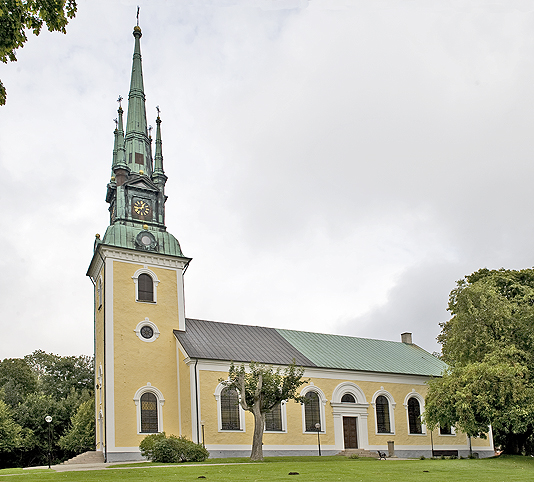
[146,240]
[147,332]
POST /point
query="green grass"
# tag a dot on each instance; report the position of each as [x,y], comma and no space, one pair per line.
[310,469]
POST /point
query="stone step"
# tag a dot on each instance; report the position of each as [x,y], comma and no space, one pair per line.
[359,452]
[91,457]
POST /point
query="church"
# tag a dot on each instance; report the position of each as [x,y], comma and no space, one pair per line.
[157,370]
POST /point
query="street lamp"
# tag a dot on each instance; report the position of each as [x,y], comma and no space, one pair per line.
[202,423]
[48,420]
[318,428]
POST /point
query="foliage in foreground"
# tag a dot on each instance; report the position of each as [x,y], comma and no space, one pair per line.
[18,17]
[261,388]
[489,346]
[160,448]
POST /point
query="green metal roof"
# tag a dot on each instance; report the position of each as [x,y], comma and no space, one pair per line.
[124,237]
[365,354]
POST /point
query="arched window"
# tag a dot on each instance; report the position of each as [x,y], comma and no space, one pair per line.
[230,409]
[145,288]
[382,414]
[414,415]
[149,413]
[273,419]
[348,398]
[312,411]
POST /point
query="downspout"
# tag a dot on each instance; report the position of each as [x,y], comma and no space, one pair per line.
[196,401]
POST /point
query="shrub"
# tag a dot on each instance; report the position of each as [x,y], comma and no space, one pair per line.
[172,449]
[354,456]
[147,444]
[422,457]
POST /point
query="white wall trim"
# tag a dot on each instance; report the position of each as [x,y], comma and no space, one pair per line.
[348,387]
[148,388]
[140,257]
[109,367]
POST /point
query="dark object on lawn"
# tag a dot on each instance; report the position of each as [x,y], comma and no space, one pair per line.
[381,455]
[425,470]
[201,477]
[293,473]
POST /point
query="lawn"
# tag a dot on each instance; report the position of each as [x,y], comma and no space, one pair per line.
[327,469]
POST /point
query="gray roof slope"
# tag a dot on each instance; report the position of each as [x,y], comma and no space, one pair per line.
[244,343]
[239,343]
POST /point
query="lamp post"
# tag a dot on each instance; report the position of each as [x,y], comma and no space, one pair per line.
[318,427]
[202,423]
[48,420]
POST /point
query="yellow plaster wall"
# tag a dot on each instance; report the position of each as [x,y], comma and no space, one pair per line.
[136,362]
[295,436]
[185,397]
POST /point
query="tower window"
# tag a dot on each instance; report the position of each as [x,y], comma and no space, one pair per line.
[230,410]
[139,158]
[145,288]
[149,413]
[382,415]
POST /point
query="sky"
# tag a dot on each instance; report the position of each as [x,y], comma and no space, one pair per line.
[334,165]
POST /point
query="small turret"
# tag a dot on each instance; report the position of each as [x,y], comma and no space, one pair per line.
[159,176]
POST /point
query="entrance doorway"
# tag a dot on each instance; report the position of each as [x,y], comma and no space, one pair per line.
[350,433]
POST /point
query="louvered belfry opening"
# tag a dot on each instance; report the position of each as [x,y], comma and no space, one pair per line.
[145,288]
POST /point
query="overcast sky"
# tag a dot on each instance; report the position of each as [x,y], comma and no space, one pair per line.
[334,166]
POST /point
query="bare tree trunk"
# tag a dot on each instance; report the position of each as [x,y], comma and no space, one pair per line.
[257,440]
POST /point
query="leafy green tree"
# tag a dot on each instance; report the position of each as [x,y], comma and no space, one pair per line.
[59,375]
[17,380]
[17,17]
[80,437]
[489,346]
[260,389]
[10,431]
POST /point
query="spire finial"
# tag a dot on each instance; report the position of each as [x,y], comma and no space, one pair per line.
[119,100]
[116,123]
[157,108]
[138,8]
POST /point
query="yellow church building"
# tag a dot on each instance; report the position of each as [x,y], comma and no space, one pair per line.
[157,370]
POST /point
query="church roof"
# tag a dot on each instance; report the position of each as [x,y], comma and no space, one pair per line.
[244,343]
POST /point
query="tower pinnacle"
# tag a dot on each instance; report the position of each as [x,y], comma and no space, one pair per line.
[159,176]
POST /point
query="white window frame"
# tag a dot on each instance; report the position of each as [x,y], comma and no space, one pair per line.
[217,394]
[391,404]
[155,281]
[421,400]
[322,402]
[148,388]
[283,416]
[155,331]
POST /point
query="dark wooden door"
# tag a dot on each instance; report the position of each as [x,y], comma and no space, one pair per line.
[349,433]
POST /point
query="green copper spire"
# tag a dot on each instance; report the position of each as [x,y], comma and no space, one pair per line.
[159,176]
[137,145]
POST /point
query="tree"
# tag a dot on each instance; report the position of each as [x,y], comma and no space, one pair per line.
[17,380]
[81,435]
[10,431]
[19,16]
[489,346]
[260,389]
[59,375]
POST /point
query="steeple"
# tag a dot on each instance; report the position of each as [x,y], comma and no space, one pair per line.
[137,144]
[159,176]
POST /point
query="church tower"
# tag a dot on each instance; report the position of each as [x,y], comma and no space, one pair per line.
[137,270]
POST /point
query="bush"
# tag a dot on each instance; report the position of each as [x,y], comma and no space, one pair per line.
[422,457]
[172,449]
[147,444]
[354,456]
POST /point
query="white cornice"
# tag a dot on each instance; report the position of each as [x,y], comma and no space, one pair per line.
[142,257]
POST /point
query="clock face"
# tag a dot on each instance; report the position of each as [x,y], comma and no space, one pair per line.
[141,208]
